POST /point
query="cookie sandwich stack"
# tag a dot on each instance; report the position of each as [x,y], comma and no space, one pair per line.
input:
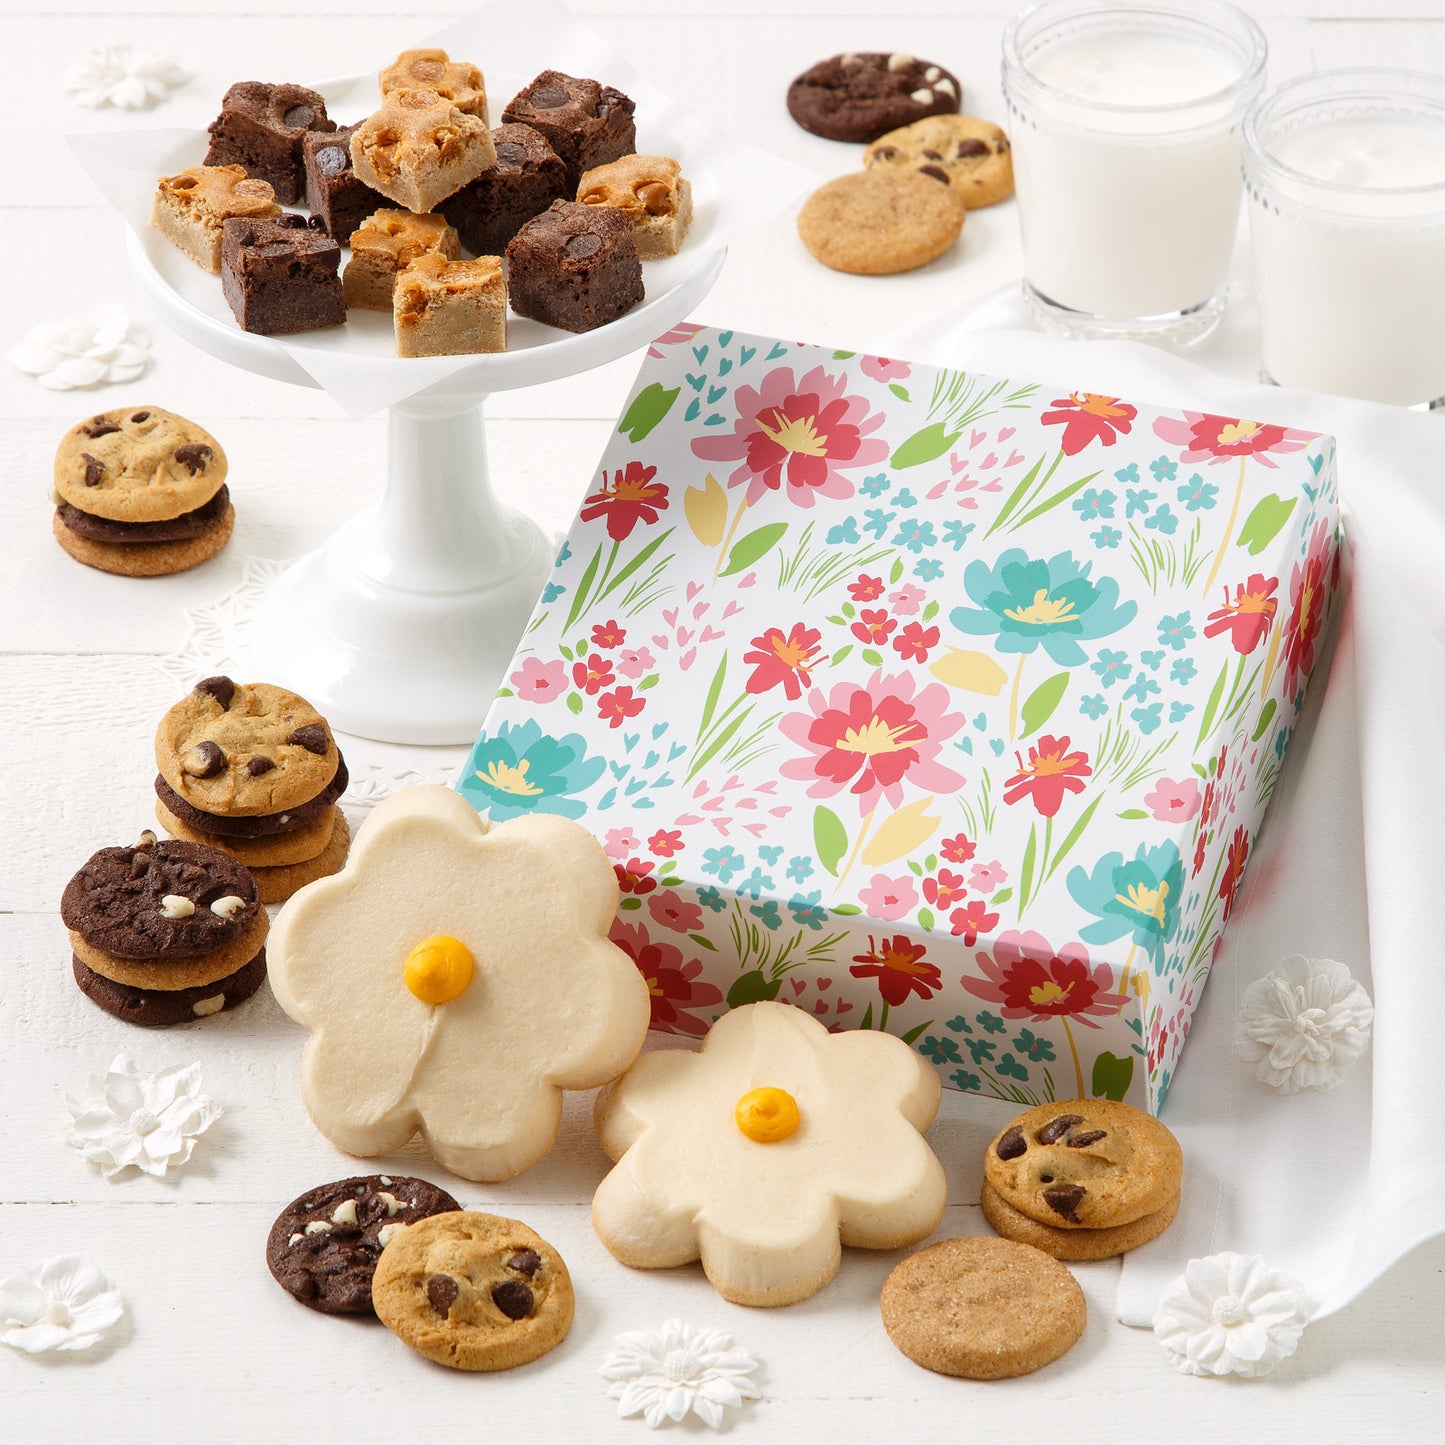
[253,770]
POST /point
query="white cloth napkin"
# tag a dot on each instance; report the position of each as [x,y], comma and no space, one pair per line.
[1333,1188]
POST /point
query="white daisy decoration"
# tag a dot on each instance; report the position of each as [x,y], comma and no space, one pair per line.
[666,1373]
[125,78]
[1230,1314]
[94,350]
[57,1304]
[1304,1024]
[129,1120]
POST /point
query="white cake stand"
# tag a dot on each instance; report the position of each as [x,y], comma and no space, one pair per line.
[399,627]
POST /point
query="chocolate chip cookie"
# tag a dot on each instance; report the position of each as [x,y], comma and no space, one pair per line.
[877,222]
[153,1008]
[1074,1244]
[1085,1164]
[971,155]
[473,1291]
[324,1246]
[857,97]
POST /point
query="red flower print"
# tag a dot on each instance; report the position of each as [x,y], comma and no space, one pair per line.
[874,625]
[619,705]
[1030,980]
[870,737]
[784,659]
[945,890]
[1201,846]
[958,849]
[635,875]
[1050,771]
[914,642]
[609,634]
[1248,618]
[866,588]
[673,911]
[666,842]
[1087,417]
[797,437]
[671,980]
[631,497]
[971,920]
[1234,861]
[594,674]
[900,968]
[1215,439]
[1307,608]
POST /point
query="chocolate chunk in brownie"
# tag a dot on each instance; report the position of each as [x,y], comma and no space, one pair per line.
[260,127]
[528,176]
[333,190]
[280,278]
[587,124]
[574,266]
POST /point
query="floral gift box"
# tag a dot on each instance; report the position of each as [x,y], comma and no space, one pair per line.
[923,700]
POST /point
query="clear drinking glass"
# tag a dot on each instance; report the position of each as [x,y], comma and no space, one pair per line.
[1125,130]
[1346,178]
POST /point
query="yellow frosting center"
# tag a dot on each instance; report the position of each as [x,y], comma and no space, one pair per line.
[767,1115]
[439,969]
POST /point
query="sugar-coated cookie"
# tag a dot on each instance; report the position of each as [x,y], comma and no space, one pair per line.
[1085,1164]
[456,980]
[880,221]
[972,155]
[856,97]
[323,1247]
[766,1151]
[474,1291]
[986,1309]
[1074,1244]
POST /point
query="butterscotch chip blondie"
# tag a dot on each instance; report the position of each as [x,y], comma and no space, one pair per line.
[191,205]
[450,308]
[419,148]
[652,192]
[384,245]
[453,80]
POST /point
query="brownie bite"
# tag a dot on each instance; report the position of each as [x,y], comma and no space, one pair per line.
[260,127]
[334,191]
[574,266]
[281,276]
[191,206]
[450,308]
[587,124]
[527,178]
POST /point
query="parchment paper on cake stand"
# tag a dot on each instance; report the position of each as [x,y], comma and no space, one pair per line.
[399,627]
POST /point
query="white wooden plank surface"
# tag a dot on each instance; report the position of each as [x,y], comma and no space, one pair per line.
[211,1349]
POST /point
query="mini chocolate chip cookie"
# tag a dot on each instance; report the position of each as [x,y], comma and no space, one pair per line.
[972,156]
[244,749]
[1085,1164]
[324,1246]
[154,1008]
[858,97]
[1074,1244]
[876,222]
[473,1291]
[985,1309]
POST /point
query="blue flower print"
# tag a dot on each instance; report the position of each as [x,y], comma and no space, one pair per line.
[915,536]
[878,521]
[800,869]
[1147,717]
[770,854]
[1138,899]
[1107,537]
[1095,504]
[563,554]
[1039,1050]
[905,498]
[1152,660]
[1128,474]
[1183,669]
[959,1025]
[1164,470]
[1139,500]
[551,592]
[962,1079]
[992,1023]
[1163,521]
[767,914]
[928,569]
[754,884]
[956,533]
[722,863]
[521,770]
[1176,632]
[941,1051]
[1093,706]
[1197,494]
[1111,666]
[711,899]
[1141,687]
[981,1051]
[807,909]
[845,531]
[875,485]
[1010,1067]
[1178,711]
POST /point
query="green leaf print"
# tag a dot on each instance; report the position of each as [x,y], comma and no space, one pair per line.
[648,408]
[1039,705]
[1263,524]
[747,550]
[830,838]
[1112,1076]
[925,446]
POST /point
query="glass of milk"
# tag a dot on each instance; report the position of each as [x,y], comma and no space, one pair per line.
[1125,129]
[1346,178]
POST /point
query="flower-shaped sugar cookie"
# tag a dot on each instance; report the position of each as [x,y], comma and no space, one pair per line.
[766,1151]
[456,979]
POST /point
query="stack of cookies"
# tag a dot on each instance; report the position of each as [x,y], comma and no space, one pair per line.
[253,770]
[165,932]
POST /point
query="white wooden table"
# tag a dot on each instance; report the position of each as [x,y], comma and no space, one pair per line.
[211,1349]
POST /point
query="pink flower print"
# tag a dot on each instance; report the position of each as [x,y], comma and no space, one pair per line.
[673,911]
[1172,802]
[665,843]
[672,980]
[883,368]
[887,899]
[906,599]
[634,876]
[634,661]
[538,681]
[619,842]
[1205,437]
[871,737]
[866,588]
[798,437]
[987,877]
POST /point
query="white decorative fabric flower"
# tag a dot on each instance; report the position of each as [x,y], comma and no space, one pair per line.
[125,78]
[130,1120]
[665,1373]
[1304,1024]
[1230,1314]
[85,351]
[57,1304]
